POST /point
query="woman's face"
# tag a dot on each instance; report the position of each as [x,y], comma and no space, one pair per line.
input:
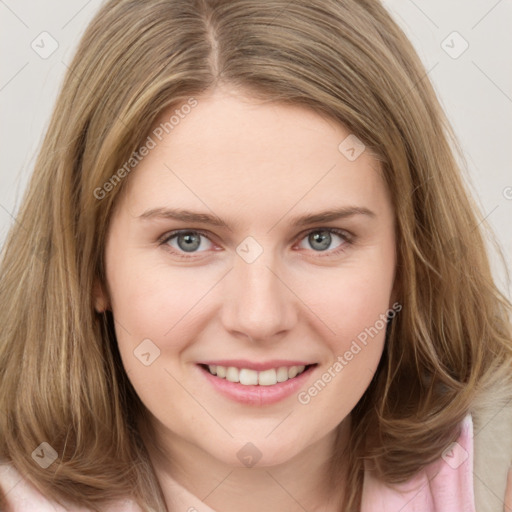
[285,263]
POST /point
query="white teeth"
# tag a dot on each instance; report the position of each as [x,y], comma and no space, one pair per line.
[267,378]
[252,377]
[232,374]
[248,377]
[282,374]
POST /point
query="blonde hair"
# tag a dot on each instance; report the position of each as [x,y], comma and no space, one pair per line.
[61,377]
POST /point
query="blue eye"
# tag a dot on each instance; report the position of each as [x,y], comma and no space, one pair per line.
[186,241]
[321,239]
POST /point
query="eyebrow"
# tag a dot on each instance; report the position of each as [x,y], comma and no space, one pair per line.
[206,218]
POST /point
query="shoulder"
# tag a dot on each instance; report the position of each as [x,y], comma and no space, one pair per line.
[21,496]
[471,474]
[444,485]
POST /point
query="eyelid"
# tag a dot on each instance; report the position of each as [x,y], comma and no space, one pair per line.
[343,233]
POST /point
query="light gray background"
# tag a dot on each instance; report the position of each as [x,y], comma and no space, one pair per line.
[475,89]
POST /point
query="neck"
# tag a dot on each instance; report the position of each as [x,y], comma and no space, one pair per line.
[301,483]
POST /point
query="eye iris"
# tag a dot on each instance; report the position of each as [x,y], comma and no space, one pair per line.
[191,241]
[323,238]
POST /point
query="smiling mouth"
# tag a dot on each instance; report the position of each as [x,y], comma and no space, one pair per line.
[248,377]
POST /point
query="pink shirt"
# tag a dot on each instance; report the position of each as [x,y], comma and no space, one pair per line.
[446,485]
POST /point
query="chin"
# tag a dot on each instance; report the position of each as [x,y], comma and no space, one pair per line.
[257,451]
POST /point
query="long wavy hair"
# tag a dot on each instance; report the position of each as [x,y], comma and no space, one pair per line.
[61,377]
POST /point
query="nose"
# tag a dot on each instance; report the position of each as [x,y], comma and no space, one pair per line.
[258,302]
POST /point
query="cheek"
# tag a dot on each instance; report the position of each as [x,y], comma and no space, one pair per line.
[155,309]
[360,314]
[349,300]
[150,300]
[158,313]
[352,305]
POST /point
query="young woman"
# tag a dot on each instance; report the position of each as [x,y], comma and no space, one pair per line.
[247,275]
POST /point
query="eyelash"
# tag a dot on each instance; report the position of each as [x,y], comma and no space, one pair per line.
[348,239]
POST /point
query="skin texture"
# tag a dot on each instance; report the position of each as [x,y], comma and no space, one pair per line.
[256,166]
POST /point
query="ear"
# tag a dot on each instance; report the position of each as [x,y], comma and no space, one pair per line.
[101,301]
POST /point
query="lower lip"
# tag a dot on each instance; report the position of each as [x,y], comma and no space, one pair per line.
[257,395]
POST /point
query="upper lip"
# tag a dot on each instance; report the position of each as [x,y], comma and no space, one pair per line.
[254,365]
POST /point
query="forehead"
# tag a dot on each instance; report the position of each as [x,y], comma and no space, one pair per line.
[240,152]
